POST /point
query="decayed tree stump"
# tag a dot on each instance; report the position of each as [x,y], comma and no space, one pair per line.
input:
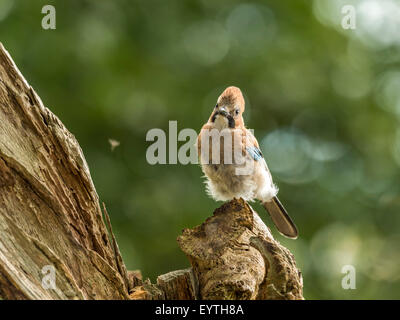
[50,216]
[234,256]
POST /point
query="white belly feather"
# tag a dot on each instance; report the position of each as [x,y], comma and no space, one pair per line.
[228,181]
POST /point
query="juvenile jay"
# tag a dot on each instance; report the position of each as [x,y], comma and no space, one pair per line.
[233,163]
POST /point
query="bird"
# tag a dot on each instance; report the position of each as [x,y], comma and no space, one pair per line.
[233,164]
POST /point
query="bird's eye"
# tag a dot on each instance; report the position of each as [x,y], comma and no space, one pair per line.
[216,106]
[237,111]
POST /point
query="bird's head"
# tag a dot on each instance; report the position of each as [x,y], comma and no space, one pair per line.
[228,111]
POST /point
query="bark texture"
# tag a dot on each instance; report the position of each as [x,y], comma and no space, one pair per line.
[50,216]
[49,208]
[234,256]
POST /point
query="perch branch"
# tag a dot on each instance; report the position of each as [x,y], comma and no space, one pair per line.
[233,256]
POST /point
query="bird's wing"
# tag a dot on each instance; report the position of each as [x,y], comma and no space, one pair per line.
[254,152]
[279,215]
[253,149]
[252,146]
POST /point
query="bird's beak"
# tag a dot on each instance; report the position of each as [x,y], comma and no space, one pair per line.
[219,112]
[223,110]
[223,113]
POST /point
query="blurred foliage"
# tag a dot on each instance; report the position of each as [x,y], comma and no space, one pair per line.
[324,103]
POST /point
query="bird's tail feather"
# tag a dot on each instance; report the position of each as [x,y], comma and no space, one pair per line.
[281,219]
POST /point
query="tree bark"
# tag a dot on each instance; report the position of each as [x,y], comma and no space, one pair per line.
[234,256]
[49,208]
[50,217]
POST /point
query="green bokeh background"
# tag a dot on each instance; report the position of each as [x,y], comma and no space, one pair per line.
[324,102]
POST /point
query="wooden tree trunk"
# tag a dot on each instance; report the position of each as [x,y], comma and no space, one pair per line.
[50,216]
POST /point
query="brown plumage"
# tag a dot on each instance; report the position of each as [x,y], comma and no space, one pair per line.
[227,180]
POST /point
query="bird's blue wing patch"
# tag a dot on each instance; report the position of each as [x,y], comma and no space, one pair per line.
[255,153]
